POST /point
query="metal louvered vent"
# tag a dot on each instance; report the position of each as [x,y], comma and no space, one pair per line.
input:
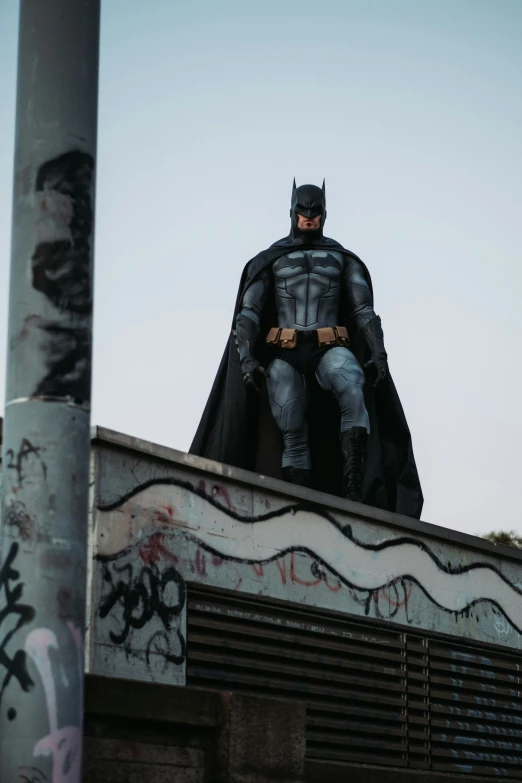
[352,677]
[374,695]
[475,711]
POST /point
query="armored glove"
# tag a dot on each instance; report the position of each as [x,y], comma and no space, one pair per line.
[377,366]
[254,379]
[253,373]
[246,334]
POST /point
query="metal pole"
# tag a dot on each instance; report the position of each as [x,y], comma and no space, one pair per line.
[43,533]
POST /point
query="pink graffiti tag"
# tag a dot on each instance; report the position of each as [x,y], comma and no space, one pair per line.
[63,745]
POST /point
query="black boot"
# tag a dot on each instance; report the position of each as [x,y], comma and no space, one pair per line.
[354,445]
[301,476]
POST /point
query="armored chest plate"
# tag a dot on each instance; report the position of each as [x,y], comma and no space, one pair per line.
[307,285]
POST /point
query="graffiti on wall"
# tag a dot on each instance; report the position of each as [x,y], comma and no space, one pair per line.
[144,605]
[295,550]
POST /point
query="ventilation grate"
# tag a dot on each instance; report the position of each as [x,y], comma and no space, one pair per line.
[374,695]
[353,678]
[475,711]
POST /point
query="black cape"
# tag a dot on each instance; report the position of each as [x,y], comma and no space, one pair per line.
[237,427]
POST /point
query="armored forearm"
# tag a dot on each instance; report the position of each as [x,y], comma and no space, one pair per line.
[374,339]
[358,294]
[248,321]
[360,301]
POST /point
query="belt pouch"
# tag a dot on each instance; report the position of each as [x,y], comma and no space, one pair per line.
[273,336]
[326,336]
[288,338]
[342,335]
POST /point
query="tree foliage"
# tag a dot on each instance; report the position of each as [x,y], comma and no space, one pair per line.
[508,537]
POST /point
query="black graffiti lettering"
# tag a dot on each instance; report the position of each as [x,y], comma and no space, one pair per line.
[61,270]
[17,518]
[68,351]
[17,461]
[160,644]
[11,591]
[142,597]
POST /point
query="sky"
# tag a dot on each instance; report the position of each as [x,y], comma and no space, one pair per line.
[412,112]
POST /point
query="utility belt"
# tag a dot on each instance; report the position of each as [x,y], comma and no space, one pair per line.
[326,335]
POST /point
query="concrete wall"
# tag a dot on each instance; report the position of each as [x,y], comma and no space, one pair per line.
[137,733]
[143,733]
[162,519]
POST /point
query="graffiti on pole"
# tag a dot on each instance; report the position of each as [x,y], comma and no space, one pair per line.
[61,271]
[14,615]
[63,744]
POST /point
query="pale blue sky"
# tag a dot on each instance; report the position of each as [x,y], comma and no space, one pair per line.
[411,109]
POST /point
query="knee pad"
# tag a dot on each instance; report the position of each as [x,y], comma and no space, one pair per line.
[337,368]
[287,396]
[340,372]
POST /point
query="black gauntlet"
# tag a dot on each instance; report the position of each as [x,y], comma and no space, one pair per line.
[246,335]
[373,336]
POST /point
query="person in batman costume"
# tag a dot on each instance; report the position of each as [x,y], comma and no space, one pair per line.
[325,413]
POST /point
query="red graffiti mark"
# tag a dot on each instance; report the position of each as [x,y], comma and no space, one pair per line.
[295,578]
[153,549]
[166,515]
[281,567]
[258,568]
[217,561]
[224,493]
[317,571]
[332,588]
[218,491]
[162,517]
[201,563]
[395,601]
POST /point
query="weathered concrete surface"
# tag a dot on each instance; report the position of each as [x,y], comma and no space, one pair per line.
[136,732]
[261,740]
[162,519]
[139,732]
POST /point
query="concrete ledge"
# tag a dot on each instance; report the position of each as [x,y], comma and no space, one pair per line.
[157,733]
[149,701]
[217,469]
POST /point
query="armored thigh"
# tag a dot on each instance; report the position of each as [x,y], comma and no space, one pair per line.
[287,396]
[340,372]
